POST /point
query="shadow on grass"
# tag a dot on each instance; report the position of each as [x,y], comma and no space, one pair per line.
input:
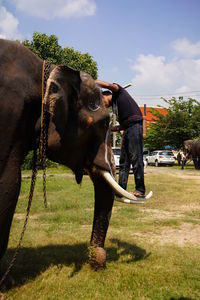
[33,261]
[133,252]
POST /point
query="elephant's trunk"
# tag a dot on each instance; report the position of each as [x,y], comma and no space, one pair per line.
[104,198]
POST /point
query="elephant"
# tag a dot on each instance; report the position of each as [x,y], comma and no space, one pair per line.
[77,128]
[191,150]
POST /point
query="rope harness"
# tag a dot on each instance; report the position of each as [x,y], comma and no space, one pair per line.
[36,161]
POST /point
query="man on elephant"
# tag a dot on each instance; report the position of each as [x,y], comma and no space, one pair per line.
[130,120]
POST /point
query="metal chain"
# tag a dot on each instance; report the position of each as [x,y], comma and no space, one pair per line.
[36,160]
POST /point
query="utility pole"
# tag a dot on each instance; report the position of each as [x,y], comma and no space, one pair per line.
[145,121]
[114,133]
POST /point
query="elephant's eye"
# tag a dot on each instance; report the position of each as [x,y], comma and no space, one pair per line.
[94,100]
[54,87]
[94,105]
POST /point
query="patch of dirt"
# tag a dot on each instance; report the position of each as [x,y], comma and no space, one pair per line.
[192,174]
[189,207]
[155,214]
[163,214]
[21,216]
[186,234]
[28,176]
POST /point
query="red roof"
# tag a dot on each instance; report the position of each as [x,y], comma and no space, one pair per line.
[149,116]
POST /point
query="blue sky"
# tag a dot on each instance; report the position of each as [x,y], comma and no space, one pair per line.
[154,44]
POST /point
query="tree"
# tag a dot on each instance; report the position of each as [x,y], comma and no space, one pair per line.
[181,122]
[47,48]
[78,61]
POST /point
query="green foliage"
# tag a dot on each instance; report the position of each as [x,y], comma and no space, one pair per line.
[181,122]
[79,61]
[48,48]
[28,162]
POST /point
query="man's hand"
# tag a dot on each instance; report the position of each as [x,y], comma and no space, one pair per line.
[116,128]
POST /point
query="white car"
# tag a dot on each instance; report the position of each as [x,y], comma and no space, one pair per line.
[116,152]
[161,157]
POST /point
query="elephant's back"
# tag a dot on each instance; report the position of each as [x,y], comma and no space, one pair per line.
[20,68]
[20,87]
[196,147]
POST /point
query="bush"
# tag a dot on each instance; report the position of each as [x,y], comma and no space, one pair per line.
[28,162]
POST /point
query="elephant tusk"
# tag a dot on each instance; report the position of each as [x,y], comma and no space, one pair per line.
[128,201]
[122,195]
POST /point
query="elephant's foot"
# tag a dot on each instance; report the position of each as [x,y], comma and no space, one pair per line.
[97,257]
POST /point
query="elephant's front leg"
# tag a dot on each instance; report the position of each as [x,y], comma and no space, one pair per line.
[104,198]
[10,181]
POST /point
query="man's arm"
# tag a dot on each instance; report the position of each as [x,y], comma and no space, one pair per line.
[116,128]
[106,85]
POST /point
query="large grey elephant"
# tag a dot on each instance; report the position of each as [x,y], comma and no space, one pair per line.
[192,151]
[77,133]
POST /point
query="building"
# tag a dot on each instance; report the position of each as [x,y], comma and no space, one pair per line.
[148,117]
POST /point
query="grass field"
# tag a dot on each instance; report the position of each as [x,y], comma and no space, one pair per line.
[153,250]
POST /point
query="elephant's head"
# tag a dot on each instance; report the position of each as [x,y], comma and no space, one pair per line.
[187,145]
[192,151]
[79,122]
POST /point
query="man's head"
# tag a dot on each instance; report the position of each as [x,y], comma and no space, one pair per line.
[107,98]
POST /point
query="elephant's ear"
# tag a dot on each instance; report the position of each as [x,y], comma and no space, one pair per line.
[62,91]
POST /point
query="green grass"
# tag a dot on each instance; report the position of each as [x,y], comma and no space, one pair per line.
[152,252]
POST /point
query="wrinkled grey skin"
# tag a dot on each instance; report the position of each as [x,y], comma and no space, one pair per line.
[192,151]
[76,134]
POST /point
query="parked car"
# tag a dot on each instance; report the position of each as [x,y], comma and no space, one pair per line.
[116,152]
[161,157]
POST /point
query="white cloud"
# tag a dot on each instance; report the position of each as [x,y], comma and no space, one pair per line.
[154,73]
[50,9]
[8,24]
[156,77]
[185,48]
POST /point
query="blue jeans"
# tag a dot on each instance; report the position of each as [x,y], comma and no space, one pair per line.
[132,154]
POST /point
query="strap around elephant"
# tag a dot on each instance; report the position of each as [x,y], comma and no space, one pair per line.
[45,75]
